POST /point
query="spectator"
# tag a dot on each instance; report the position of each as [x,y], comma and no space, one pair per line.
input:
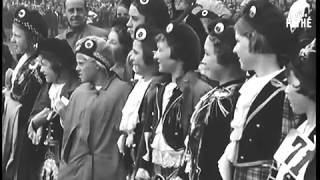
[123,8]
[121,43]
[76,11]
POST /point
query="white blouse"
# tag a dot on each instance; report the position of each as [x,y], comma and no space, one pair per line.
[162,153]
[130,111]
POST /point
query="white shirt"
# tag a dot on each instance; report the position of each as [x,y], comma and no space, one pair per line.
[130,111]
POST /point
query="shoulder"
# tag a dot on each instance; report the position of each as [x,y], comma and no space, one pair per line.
[121,86]
[196,83]
[82,89]
[94,30]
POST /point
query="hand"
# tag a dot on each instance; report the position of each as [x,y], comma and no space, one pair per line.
[35,137]
[121,142]
[129,141]
[40,118]
[8,77]
[142,174]
[177,178]
[225,168]
[59,106]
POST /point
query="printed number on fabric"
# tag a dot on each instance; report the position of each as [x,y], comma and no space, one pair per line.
[294,155]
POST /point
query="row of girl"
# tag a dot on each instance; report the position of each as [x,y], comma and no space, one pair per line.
[243,109]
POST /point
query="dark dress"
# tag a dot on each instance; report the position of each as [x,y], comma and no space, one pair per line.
[23,93]
[37,154]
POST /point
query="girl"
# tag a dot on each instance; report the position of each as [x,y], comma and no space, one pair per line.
[137,113]
[210,122]
[92,117]
[121,43]
[58,64]
[22,87]
[258,118]
[301,91]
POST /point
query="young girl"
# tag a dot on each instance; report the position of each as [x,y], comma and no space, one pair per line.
[137,113]
[210,122]
[293,163]
[22,87]
[58,64]
[178,54]
[258,118]
[121,43]
[92,117]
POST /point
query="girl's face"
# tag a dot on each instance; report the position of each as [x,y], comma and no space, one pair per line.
[138,63]
[298,102]
[122,11]
[135,19]
[113,40]
[20,39]
[86,68]
[46,68]
[162,55]
[247,62]
[210,66]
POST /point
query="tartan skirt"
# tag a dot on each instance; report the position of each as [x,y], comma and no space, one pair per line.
[251,173]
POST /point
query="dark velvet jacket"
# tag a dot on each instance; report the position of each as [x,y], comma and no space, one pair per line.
[178,111]
[211,129]
[25,90]
[262,134]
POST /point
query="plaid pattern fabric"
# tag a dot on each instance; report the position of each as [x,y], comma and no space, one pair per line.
[289,119]
[251,173]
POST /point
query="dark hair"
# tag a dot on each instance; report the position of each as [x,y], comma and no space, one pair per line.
[224,52]
[184,44]
[119,26]
[222,36]
[55,64]
[257,42]
[155,12]
[148,44]
[124,3]
[304,68]
[265,27]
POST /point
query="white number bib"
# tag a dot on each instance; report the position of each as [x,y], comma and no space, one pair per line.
[294,155]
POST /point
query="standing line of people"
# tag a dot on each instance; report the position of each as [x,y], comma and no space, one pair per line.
[154,98]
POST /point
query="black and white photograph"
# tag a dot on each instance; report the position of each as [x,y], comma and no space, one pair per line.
[158,90]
